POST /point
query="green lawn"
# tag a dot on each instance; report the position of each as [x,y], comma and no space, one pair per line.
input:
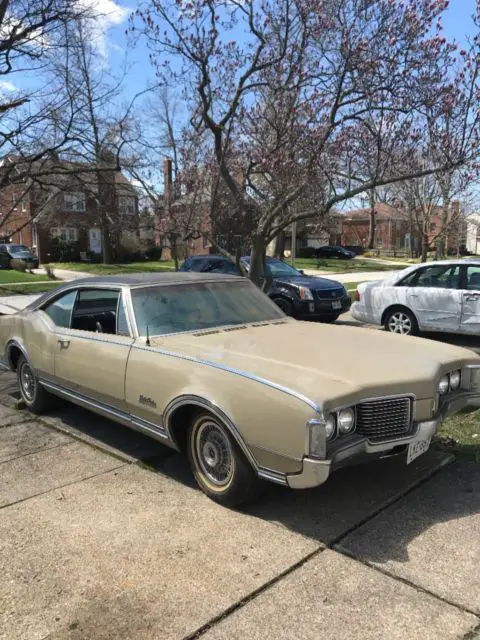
[10,275]
[27,288]
[461,435]
[113,269]
[344,266]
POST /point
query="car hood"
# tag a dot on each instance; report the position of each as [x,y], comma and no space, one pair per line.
[343,364]
[312,282]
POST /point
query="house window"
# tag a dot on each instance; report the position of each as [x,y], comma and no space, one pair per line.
[65,234]
[74,201]
[433,226]
[126,205]
[14,201]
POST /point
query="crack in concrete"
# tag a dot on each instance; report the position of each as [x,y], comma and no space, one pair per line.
[32,453]
[62,486]
[251,596]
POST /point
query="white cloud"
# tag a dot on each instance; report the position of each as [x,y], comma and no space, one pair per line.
[108,14]
[7,87]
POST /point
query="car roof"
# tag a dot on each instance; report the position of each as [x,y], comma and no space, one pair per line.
[207,256]
[452,262]
[135,280]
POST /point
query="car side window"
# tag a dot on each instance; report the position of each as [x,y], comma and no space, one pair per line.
[473,278]
[60,310]
[96,310]
[440,277]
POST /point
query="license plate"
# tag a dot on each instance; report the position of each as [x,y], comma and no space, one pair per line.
[417,447]
[336,304]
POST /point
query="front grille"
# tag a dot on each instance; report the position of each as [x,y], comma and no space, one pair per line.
[387,419]
[329,294]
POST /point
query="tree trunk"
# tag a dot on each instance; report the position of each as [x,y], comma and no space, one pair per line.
[173,245]
[371,227]
[257,254]
[279,245]
[442,245]
[424,242]
[106,244]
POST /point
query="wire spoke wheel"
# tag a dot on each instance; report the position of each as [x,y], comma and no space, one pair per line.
[28,383]
[214,454]
[400,322]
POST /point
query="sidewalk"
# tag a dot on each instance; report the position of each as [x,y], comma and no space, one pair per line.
[356,276]
[94,545]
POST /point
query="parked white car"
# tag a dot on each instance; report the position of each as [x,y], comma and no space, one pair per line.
[440,296]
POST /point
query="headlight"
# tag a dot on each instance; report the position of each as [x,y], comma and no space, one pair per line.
[305,293]
[455,380]
[330,427]
[346,420]
[443,385]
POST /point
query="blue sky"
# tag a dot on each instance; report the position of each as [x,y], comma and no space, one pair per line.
[457,25]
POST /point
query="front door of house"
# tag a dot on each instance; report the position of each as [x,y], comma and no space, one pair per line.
[95,241]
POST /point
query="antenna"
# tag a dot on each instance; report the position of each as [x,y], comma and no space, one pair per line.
[147,341]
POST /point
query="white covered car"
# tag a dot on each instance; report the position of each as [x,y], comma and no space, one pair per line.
[437,296]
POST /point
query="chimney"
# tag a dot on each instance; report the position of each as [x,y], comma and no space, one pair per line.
[167,180]
[455,209]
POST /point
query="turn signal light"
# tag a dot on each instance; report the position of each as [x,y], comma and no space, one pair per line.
[357,296]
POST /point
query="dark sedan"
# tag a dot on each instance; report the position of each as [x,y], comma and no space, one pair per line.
[333,251]
[297,294]
[9,252]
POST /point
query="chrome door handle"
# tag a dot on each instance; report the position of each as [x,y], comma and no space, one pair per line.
[63,342]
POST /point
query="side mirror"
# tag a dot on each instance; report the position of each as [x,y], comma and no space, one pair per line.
[301,271]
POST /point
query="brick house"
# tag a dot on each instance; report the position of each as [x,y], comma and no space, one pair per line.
[64,211]
[394,230]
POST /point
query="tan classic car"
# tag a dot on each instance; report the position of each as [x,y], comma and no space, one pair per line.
[210,366]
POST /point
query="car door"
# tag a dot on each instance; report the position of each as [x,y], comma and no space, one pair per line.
[93,343]
[435,297]
[470,320]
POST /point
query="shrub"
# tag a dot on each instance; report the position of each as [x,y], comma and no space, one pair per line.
[64,251]
[306,252]
[154,253]
[18,265]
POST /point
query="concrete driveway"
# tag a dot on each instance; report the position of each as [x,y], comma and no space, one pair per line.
[104,536]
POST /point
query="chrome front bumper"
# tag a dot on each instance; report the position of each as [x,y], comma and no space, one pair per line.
[316,472]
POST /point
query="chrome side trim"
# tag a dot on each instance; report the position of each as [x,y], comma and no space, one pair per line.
[129,420]
[8,347]
[272,476]
[149,426]
[94,336]
[213,408]
[237,372]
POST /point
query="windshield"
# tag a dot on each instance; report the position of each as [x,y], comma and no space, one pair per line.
[203,305]
[17,248]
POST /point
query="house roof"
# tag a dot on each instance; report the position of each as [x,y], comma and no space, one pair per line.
[384,212]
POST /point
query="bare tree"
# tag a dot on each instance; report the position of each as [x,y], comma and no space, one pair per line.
[100,134]
[31,32]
